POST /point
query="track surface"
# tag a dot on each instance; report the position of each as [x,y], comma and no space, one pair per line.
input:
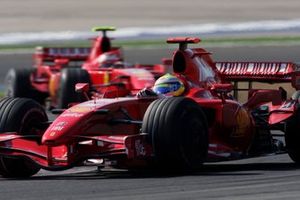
[272,177]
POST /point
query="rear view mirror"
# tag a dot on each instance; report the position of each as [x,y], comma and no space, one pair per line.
[82,87]
[222,88]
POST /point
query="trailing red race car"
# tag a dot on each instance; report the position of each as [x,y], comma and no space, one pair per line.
[204,124]
[57,70]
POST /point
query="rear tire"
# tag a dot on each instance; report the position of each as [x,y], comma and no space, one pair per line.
[69,78]
[178,132]
[18,84]
[292,137]
[23,116]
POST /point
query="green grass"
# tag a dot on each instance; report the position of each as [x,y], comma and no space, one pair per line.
[220,41]
[255,40]
[161,43]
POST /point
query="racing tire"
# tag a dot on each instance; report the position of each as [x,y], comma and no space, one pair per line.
[23,116]
[177,129]
[292,137]
[66,92]
[18,84]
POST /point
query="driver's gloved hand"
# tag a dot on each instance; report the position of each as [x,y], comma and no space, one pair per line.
[146,92]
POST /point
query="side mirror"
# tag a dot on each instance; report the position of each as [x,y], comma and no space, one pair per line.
[222,88]
[82,87]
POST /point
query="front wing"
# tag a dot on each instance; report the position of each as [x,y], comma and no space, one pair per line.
[124,150]
[132,148]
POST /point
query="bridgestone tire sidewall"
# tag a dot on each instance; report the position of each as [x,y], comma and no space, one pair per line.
[175,142]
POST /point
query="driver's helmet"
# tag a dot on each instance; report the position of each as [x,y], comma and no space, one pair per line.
[108,59]
[168,85]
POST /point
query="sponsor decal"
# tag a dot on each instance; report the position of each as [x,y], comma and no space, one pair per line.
[75,115]
[139,147]
[52,134]
[59,126]
[80,109]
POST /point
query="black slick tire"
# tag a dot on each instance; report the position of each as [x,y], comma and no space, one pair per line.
[18,84]
[23,116]
[177,129]
[66,92]
[292,137]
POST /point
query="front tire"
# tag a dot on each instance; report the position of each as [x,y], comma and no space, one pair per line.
[23,116]
[178,132]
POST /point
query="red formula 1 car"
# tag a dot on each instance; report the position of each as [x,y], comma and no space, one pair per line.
[57,70]
[205,124]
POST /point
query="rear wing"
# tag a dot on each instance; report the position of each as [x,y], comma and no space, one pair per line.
[268,72]
[257,71]
[264,72]
[50,54]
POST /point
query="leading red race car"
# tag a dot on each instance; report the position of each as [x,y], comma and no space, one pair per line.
[205,124]
[58,69]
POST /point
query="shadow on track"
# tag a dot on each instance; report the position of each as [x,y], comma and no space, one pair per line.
[206,170]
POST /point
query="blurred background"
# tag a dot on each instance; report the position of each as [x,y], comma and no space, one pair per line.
[61,20]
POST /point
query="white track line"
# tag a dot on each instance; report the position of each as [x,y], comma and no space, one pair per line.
[150,32]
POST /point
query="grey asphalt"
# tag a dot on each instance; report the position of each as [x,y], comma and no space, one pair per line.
[272,177]
[265,178]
